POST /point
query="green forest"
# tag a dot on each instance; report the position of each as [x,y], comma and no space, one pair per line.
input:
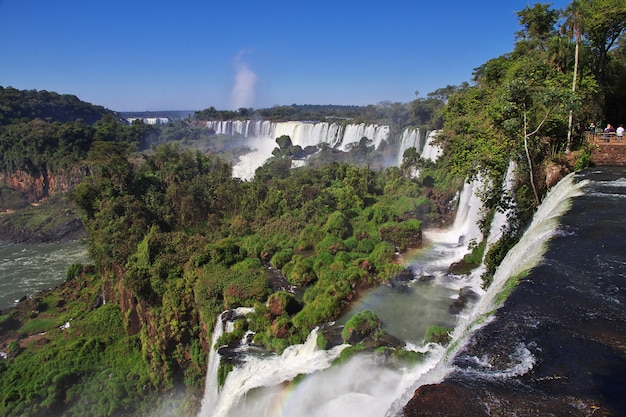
[175,239]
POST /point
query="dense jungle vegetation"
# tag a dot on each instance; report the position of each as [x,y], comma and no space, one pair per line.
[175,239]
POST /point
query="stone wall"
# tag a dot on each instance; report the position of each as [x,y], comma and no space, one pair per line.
[609,154]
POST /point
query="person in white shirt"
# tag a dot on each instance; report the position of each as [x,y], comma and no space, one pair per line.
[620,133]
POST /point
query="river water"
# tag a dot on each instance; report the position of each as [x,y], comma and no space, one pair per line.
[26,269]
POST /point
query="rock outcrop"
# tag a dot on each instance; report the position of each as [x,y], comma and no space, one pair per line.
[43,184]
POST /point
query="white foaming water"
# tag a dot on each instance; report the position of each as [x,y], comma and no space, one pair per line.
[500,217]
[211,392]
[303,133]
[524,362]
[529,251]
[269,371]
[262,148]
[430,150]
[262,135]
[465,229]
[210,389]
[410,139]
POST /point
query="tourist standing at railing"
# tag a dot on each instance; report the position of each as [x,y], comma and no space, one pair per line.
[620,133]
[608,130]
[592,129]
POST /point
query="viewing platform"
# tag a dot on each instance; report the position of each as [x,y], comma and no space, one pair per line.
[607,149]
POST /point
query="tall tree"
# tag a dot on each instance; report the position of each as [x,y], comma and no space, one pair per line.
[538,24]
[574,24]
[605,22]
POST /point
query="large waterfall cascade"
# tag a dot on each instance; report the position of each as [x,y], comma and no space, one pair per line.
[261,138]
[303,133]
[526,254]
[223,324]
[255,373]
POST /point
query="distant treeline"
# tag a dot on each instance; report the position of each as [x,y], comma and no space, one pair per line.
[419,112]
[24,105]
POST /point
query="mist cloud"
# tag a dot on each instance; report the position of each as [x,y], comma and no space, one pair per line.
[244,88]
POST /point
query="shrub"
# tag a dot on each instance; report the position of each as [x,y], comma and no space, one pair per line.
[73,271]
[404,235]
[366,246]
[407,356]
[382,253]
[105,320]
[225,252]
[309,237]
[338,225]
[281,258]
[331,243]
[302,272]
[348,353]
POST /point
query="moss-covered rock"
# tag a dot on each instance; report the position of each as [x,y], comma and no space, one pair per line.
[360,326]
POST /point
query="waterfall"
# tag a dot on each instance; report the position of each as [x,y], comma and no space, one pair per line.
[410,139]
[261,138]
[529,250]
[303,133]
[210,387]
[500,217]
[269,371]
[454,241]
[149,120]
[224,323]
[526,254]
[430,150]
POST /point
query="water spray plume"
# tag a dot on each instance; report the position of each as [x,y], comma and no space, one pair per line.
[244,89]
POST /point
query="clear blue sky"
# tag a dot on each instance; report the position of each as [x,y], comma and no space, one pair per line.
[137,55]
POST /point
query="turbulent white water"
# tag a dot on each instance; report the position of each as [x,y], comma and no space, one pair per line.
[410,139]
[430,150]
[26,269]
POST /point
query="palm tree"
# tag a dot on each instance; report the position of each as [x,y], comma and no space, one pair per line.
[574,23]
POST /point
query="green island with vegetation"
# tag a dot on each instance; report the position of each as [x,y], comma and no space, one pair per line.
[175,239]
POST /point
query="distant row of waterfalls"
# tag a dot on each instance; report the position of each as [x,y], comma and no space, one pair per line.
[262,135]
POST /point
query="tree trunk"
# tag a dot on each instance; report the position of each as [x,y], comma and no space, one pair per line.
[571,113]
[530,162]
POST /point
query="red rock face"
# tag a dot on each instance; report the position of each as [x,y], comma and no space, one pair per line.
[38,187]
[554,173]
